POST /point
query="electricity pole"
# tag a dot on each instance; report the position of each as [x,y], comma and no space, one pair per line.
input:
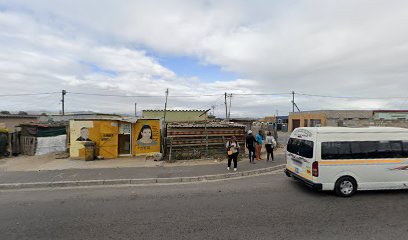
[135,109]
[165,105]
[226,106]
[63,101]
[293,101]
[229,109]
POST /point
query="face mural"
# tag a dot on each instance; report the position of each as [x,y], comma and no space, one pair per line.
[84,135]
[145,137]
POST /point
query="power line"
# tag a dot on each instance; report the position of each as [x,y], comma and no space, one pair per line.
[28,94]
[212,103]
[144,96]
[261,94]
[348,97]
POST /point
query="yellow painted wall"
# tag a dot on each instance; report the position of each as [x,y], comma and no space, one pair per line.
[103,133]
[146,146]
[108,138]
[308,116]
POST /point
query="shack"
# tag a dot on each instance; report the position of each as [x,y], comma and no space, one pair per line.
[115,138]
[198,139]
[38,139]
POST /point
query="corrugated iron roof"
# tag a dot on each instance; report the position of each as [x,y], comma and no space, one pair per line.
[194,110]
[41,125]
[17,116]
[202,125]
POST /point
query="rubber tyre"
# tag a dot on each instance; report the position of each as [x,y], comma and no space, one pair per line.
[342,187]
[288,174]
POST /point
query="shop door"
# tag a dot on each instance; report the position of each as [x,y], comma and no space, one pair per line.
[124,146]
[295,124]
[108,142]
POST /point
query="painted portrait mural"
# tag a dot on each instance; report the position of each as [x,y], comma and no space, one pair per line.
[103,133]
[147,137]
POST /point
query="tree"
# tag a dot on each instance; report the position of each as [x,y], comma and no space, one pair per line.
[5,112]
[22,113]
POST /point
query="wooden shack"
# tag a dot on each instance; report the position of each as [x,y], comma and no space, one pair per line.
[201,139]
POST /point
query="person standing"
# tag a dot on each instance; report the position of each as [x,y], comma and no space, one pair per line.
[250,144]
[233,151]
[270,144]
[259,142]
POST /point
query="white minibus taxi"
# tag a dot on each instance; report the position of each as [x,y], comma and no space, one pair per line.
[349,159]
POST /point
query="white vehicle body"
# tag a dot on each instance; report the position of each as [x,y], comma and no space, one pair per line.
[375,157]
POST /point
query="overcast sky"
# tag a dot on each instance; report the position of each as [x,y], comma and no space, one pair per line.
[338,48]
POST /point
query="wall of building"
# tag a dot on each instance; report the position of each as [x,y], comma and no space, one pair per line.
[103,133]
[348,114]
[390,123]
[308,116]
[11,122]
[390,115]
[176,116]
[141,144]
[145,137]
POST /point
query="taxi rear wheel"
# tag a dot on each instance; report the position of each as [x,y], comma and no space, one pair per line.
[345,186]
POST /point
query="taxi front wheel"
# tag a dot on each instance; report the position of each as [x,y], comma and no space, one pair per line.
[345,186]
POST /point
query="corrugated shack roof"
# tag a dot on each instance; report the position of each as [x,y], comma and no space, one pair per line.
[194,110]
[122,119]
[42,130]
[202,125]
[41,125]
[17,116]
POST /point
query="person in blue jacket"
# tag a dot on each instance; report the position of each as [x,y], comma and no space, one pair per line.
[259,142]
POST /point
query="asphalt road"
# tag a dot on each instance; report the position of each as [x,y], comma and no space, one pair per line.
[262,207]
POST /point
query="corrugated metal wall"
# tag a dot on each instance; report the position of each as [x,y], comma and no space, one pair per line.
[190,141]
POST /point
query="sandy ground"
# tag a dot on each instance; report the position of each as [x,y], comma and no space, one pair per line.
[49,162]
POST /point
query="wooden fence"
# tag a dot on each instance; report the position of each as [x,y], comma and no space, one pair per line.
[28,145]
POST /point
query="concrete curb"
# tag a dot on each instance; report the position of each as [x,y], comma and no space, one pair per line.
[141,181]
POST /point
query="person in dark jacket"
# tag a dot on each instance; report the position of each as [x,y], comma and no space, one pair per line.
[250,144]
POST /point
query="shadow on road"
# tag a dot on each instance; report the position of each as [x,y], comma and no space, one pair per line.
[310,192]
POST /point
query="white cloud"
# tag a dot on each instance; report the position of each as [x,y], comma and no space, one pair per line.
[353,48]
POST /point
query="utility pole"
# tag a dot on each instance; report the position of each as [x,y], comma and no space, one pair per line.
[63,101]
[165,105]
[229,109]
[293,101]
[213,110]
[135,109]
[226,106]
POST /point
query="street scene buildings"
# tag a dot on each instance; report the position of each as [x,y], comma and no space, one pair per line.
[204,119]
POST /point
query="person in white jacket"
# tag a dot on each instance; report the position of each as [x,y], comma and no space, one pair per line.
[233,151]
[270,144]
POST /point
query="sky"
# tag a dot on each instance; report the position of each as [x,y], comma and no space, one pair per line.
[109,55]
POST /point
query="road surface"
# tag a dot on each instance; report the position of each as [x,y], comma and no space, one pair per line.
[262,207]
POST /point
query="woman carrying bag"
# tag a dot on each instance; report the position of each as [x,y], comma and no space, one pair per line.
[270,144]
[232,151]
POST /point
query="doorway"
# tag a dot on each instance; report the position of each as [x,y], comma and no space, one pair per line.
[124,139]
[295,124]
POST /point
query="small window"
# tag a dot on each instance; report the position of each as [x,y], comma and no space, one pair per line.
[364,150]
[303,148]
[336,150]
